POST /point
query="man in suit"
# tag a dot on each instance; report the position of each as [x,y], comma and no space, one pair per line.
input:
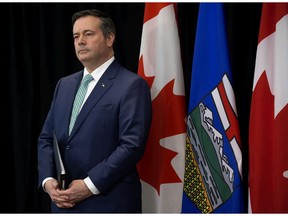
[101,150]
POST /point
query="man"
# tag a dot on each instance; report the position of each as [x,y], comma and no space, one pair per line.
[101,150]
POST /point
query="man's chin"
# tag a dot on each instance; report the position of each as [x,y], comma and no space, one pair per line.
[83,58]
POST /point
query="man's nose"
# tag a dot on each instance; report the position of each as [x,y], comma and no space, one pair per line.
[81,39]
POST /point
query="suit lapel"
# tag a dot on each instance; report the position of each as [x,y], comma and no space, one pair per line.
[100,89]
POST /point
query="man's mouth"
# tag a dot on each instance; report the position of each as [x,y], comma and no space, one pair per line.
[82,51]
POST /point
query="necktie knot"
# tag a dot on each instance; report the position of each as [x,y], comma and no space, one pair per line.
[87,79]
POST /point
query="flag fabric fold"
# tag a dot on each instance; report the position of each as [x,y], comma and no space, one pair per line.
[268,140]
[161,169]
[213,168]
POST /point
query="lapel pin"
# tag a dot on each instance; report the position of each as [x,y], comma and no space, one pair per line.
[103,85]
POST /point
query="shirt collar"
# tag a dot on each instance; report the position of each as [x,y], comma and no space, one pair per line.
[100,70]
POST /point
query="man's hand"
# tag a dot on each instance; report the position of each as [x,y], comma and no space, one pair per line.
[76,192]
[61,200]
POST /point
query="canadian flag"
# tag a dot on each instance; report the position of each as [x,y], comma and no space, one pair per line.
[162,167]
[268,135]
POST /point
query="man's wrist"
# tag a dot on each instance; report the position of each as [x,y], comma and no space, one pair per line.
[44,181]
[91,186]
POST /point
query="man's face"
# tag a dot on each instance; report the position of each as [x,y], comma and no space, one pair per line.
[89,42]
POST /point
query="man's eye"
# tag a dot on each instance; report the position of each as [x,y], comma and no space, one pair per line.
[89,34]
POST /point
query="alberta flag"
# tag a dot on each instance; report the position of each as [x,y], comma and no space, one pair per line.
[162,167]
[268,132]
[213,169]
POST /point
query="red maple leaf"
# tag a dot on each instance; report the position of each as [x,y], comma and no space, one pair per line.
[168,119]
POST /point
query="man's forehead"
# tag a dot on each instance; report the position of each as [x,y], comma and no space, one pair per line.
[86,23]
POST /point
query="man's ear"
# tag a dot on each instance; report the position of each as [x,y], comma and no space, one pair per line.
[110,39]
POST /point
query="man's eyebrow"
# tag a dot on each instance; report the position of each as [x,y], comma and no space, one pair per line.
[84,31]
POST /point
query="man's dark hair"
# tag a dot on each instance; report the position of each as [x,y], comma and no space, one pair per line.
[107,25]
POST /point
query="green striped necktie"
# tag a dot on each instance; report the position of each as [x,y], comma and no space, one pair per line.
[79,100]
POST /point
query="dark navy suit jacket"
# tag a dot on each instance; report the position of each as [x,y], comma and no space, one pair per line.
[107,141]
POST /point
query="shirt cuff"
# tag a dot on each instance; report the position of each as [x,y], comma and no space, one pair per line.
[91,186]
[44,181]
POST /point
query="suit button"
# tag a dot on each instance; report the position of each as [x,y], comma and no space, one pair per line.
[67,147]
